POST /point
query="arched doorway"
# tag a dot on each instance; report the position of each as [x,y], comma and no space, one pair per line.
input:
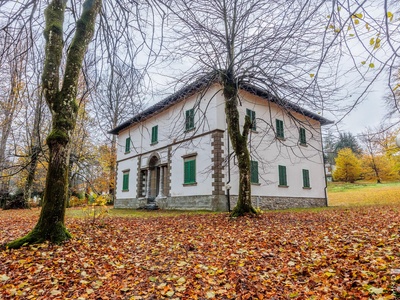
[154,178]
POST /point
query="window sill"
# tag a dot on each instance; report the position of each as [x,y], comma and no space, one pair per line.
[190,129]
[190,184]
[127,152]
[255,183]
[280,138]
[125,191]
[154,143]
[303,145]
[253,130]
[306,188]
[283,186]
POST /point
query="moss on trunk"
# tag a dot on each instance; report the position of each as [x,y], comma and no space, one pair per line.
[62,104]
[239,144]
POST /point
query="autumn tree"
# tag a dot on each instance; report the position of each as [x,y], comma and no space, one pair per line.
[12,64]
[348,168]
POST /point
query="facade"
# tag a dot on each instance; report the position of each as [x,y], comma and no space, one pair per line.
[175,154]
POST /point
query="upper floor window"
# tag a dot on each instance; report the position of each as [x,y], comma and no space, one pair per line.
[128,145]
[189,120]
[252,116]
[154,134]
[279,129]
[302,136]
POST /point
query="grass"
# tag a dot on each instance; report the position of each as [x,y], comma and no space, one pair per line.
[80,212]
[363,193]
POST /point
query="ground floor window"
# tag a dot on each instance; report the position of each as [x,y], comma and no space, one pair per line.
[282,176]
[189,170]
[254,171]
[125,181]
[306,178]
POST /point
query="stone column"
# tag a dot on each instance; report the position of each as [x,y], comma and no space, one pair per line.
[161,183]
[148,180]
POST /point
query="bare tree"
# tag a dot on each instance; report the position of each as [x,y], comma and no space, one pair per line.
[65,49]
[62,104]
[371,146]
[117,98]
[274,45]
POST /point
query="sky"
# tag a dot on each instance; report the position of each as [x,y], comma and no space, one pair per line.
[369,113]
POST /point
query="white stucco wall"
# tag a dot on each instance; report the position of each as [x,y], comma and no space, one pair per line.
[123,166]
[271,152]
[201,148]
[210,116]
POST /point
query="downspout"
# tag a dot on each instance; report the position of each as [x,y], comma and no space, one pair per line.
[323,164]
[227,186]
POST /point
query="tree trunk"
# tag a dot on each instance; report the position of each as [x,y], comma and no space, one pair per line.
[9,112]
[239,144]
[113,156]
[64,109]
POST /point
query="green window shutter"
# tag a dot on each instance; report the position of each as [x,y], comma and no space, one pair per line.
[189,121]
[302,136]
[282,176]
[254,171]
[128,145]
[252,116]
[279,129]
[154,134]
[306,178]
[125,181]
[190,171]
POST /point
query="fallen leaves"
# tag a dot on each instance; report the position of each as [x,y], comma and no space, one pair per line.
[328,254]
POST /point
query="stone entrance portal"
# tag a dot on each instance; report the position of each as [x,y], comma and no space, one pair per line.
[155,180]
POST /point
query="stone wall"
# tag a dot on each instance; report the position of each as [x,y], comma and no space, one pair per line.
[273,203]
[206,202]
[219,203]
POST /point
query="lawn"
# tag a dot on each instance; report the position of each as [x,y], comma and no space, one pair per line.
[363,193]
[311,254]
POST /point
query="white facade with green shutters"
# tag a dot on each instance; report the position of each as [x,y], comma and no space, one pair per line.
[175,153]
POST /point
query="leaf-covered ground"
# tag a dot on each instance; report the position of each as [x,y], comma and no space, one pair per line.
[313,254]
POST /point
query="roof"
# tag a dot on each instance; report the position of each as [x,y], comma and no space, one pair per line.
[202,83]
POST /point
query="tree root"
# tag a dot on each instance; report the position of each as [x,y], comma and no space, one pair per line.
[239,212]
[55,235]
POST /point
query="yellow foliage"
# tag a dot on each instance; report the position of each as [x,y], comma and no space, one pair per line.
[381,164]
[348,167]
[75,201]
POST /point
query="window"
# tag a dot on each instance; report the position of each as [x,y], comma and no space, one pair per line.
[128,145]
[306,178]
[154,134]
[282,176]
[279,129]
[125,181]
[189,170]
[254,171]
[252,116]
[189,121]
[302,136]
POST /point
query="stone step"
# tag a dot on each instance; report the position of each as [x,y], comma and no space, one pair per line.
[151,206]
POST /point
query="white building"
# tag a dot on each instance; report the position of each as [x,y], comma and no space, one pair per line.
[175,153]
